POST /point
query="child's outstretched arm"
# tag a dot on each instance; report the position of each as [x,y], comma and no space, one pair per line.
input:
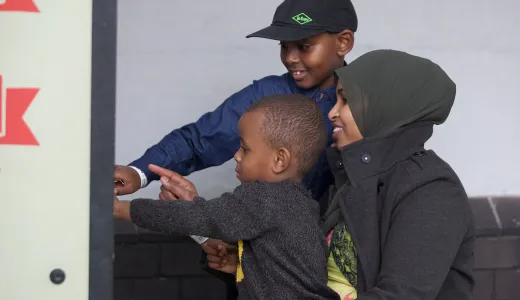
[244,214]
[169,177]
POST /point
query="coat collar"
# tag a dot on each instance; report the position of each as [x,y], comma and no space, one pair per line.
[375,155]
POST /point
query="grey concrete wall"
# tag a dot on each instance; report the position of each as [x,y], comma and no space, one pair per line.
[180,59]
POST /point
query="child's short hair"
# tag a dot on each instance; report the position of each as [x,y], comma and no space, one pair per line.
[294,122]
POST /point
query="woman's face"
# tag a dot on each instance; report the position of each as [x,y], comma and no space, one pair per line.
[345,128]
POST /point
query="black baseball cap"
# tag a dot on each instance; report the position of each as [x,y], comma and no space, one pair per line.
[299,19]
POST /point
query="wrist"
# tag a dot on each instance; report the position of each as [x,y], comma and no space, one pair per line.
[143,181]
[122,210]
[199,239]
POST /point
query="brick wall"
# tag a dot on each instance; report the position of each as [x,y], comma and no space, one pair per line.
[151,266]
[497,253]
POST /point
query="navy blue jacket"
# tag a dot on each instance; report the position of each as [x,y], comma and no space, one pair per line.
[213,139]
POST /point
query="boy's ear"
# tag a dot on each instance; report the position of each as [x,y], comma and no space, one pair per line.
[344,42]
[282,160]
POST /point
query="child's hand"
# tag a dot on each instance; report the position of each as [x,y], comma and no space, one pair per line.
[174,186]
[221,256]
[126,180]
[116,201]
[173,191]
[121,209]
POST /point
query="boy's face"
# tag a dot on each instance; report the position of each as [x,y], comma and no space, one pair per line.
[311,61]
[255,157]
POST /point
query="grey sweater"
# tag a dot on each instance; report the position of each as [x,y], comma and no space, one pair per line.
[284,252]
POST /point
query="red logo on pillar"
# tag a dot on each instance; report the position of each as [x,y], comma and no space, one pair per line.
[18,5]
[13,129]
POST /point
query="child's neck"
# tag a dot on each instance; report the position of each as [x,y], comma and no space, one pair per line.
[327,83]
[296,178]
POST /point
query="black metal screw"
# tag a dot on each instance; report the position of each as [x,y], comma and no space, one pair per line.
[57,276]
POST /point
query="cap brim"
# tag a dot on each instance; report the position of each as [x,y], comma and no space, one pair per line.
[282,33]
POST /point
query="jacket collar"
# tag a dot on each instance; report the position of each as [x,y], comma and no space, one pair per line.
[336,166]
[375,155]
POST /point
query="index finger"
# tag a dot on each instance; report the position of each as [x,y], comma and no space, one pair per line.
[209,250]
[173,176]
[220,246]
[181,192]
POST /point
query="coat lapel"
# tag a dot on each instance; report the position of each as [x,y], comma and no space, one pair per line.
[360,211]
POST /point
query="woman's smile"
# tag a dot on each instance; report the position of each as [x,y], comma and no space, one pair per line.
[337,130]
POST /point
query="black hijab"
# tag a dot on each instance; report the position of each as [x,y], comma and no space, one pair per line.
[388,89]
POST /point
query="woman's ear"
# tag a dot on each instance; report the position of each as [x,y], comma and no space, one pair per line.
[282,160]
[344,42]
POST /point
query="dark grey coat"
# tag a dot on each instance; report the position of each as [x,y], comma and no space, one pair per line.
[409,218]
[284,252]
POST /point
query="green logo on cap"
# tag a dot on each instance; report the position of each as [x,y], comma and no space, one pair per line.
[302,19]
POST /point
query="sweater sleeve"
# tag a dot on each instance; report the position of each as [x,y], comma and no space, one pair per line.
[426,234]
[242,215]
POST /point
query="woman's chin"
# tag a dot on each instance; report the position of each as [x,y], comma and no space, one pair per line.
[339,144]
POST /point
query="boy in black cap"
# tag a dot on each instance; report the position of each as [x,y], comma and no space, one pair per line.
[315,36]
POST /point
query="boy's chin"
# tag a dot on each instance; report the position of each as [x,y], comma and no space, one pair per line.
[241,179]
[305,84]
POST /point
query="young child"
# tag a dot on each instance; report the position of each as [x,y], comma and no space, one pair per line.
[272,216]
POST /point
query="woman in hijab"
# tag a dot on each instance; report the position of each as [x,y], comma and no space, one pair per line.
[398,218]
[398,221]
